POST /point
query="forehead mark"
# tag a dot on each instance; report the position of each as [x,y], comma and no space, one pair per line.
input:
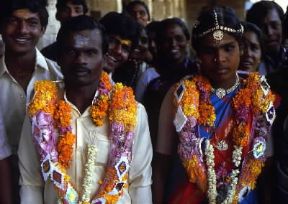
[81,40]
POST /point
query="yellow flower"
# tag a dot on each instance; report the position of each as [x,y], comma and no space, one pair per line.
[44,98]
[98,111]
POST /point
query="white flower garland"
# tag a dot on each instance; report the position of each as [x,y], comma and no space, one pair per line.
[89,169]
[212,189]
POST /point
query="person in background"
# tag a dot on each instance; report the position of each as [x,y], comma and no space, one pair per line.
[131,71]
[150,73]
[139,11]
[281,190]
[23,22]
[268,16]
[172,63]
[279,83]
[215,122]
[152,32]
[5,166]
[65,9]
[89,141]
[123,35]
[252,43]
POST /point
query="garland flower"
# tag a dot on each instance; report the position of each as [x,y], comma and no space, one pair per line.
[122,117]
[253,101]
[100,105]
[52,133]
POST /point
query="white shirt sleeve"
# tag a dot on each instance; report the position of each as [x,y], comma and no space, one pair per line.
[140,170]
[5,150]
[30,179]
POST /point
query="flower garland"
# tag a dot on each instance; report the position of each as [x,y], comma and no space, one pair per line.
[193,97]
[52,117]
[100,104]
[89,168]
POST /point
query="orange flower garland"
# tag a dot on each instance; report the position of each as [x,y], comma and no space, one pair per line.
[44,99]
[45,108]
[253,98]
[121,112]
[99,108]
[191,103]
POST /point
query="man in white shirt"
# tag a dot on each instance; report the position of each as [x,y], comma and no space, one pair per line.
[91,144]
[22,24]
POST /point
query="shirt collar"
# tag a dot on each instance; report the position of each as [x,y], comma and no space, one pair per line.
[41,60]
[86,112]
[40,63]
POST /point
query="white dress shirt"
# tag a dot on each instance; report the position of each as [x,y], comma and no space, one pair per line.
[13,98]
[4,147]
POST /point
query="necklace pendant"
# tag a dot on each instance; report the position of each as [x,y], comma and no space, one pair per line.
[222,145]
[220,93]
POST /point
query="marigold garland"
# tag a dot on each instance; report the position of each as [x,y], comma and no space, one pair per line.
[122,113]
[120,110]
[44,98]
[251,98]
[100,106]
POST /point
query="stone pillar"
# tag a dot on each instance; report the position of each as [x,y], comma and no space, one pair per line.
[99,8]
[52,27]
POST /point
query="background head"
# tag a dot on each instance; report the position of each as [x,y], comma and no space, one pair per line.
[34,6]
[151,29]
[268,16]
[70,8]
[139,11]
[172,39]
[81,44]
[123,36]
[252,46]
[23,22]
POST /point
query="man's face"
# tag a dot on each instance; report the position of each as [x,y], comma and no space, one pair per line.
[70,10]
[118,52]
[219,59]
[272,29]
[81,58]
[21,31]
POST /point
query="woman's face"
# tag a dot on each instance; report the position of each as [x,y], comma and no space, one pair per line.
[173,45]
[251,56]
[219,59]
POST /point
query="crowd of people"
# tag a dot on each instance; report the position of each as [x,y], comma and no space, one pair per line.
[131,110]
